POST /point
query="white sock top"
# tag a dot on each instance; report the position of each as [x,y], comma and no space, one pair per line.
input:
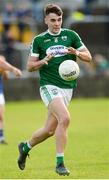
[28,144]
[60,155]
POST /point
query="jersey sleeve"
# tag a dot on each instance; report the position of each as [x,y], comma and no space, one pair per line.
[78,44]
[34,48]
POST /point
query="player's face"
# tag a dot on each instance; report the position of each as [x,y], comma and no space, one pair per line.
[53,22]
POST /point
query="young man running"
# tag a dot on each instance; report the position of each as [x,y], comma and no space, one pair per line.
[48,50]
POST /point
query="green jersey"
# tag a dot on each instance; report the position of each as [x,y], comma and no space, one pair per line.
[56,44]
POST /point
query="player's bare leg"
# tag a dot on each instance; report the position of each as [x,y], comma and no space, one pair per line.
[57,122]
[59,110]
[39,136]
[45,132]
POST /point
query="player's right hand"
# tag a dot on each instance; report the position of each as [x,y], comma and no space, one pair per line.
[47,58]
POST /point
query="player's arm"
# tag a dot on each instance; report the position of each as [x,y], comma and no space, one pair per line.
[79,49]
[5,66]
[34,63]
[83,53]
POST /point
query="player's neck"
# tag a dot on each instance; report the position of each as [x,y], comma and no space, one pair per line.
[54,33]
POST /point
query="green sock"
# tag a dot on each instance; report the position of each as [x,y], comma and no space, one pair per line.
[60,159]
[26,149]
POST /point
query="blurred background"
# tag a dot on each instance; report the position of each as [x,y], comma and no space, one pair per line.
[21,20]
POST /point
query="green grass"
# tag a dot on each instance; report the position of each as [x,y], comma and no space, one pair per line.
[87,152]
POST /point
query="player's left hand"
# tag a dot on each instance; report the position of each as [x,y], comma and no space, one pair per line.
[72,50]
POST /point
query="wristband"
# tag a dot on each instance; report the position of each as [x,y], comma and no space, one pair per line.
[77,53]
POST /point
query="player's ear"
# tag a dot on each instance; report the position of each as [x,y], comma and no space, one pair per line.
[45,20]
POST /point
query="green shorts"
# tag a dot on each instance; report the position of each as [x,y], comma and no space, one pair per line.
[50,92]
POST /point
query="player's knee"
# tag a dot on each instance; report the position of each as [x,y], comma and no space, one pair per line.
[51,132]
[65,121]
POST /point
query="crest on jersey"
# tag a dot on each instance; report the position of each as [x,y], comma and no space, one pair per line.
[54,91]
[64,38]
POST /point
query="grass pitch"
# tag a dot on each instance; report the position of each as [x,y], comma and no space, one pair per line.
[87,152]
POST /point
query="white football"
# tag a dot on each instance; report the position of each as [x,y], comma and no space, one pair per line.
[69,70]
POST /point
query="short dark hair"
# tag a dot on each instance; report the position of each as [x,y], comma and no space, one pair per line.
[52,8]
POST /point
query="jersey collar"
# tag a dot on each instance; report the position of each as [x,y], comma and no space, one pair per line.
[54,34]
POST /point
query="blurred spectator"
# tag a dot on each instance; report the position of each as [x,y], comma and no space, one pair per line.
[101,65]
[87,7]
[37,11]
[24,20]
[9,16]
[37,14]
[8,41]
